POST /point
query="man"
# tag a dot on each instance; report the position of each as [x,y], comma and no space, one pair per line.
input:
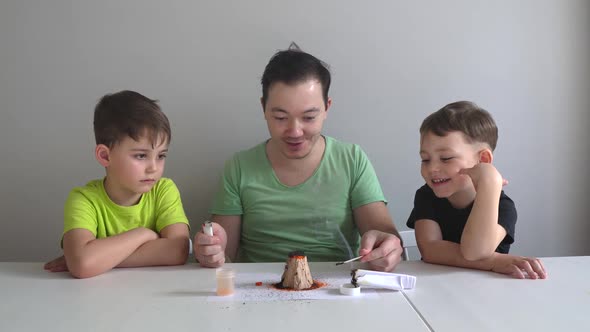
[299,190]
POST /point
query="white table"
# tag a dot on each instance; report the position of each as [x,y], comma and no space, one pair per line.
[454,299]
[175,299]
[171,299]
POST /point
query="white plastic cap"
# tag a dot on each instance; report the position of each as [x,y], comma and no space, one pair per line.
[350,289]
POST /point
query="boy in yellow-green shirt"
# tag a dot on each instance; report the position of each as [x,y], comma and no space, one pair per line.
[132,217]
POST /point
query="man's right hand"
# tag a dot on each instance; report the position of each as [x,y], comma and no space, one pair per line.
[210,250]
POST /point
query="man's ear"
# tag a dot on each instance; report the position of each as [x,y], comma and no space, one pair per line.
[102,155]
[486,156]
[262,104]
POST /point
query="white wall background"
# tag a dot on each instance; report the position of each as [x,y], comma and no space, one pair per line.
[393,63]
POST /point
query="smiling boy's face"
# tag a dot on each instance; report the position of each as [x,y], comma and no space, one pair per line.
[133,167]
[442,159]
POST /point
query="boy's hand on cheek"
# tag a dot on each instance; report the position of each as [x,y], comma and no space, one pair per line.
[484,174]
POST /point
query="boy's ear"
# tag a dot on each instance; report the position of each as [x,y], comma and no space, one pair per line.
[486,156]
[262,104]
[102,155]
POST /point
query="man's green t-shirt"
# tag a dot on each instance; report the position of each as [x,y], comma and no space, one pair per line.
[315,216]
[90,208]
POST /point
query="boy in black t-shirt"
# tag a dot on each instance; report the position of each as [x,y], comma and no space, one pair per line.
[461,215]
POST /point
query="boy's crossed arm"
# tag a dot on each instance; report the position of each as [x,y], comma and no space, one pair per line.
[85,256]
[482,233]
[171,248]
[435,250]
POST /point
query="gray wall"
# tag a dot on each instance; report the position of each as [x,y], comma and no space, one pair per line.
[393,63]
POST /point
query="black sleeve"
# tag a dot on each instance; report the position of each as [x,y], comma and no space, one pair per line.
[423,206]
[507,217]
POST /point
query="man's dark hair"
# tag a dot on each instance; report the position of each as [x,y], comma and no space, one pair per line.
[293,66]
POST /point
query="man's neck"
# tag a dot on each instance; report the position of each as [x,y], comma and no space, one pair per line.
[292,171]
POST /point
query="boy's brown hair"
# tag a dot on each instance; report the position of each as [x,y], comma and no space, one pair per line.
[128,113]
[464,116]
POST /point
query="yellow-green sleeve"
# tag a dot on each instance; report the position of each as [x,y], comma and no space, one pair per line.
[169,205]
[79,212]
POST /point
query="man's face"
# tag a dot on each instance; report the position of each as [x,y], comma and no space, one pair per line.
[442,159]
[295,115]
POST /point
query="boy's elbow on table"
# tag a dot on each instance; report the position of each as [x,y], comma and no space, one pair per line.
[474,254]
[82,268]
[427,254]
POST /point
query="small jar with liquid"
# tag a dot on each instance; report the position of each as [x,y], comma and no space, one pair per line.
[225,281]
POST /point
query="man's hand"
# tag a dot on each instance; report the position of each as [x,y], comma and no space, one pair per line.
[210,250]
[517,266]
[381,250]
[57,265]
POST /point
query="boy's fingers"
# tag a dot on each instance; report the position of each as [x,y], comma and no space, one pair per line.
[516,272]
[541,264]
[59,269]
[526,266]
[538,268]
[55,263]
[465,171]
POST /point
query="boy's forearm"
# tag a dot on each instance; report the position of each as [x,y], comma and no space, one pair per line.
[449,253]
[159,252]
[101,255]
[480,235]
